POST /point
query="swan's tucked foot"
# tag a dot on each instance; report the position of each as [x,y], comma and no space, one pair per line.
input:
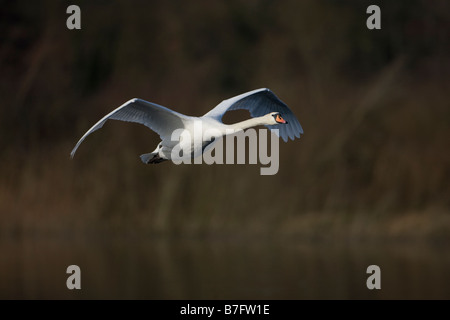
[152,158]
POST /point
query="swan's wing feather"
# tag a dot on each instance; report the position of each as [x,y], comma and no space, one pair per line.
[158,118]
[259,103]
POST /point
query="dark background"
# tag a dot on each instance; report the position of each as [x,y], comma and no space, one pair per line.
[372,167]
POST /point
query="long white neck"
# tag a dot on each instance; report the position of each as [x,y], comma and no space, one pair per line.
[253,122]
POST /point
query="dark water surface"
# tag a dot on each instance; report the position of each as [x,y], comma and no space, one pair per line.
[219,269]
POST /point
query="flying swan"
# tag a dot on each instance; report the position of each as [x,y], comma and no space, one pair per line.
[264,106]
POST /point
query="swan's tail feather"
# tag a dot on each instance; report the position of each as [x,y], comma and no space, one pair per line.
[152,158]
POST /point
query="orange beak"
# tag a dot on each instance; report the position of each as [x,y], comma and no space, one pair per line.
[279,119]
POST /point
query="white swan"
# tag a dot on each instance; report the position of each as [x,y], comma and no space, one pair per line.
[263,105]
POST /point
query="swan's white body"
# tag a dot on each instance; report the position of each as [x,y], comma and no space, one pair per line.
[263,105]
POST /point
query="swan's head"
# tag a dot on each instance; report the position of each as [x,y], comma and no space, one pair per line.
[277,118]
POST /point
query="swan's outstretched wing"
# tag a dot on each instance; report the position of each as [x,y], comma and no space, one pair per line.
[158,118]
[259,103]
